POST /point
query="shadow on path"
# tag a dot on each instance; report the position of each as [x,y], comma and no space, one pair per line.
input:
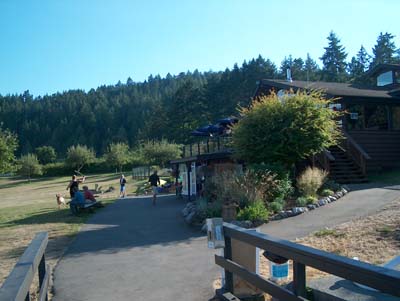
[132,250]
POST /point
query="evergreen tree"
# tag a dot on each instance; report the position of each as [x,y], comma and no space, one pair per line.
[334,60]
[311,69]
[385,49]
[359,65]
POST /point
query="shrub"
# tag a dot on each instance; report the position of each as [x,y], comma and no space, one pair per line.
[285,130]
[46,154]
[326,192]
[276,206]
[117,155]
[159,152]
[311,180]
[301,201]
[305,200]
[78,156]
[332,185]
[255,211]
[29,166]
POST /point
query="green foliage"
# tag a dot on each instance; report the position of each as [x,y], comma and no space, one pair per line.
[326,192]
[29,166]
[311,180]
[276,206]
[79,156]
[305,200]
[331,185]
[334,60]
[285,131]
[255,211]
[117,155]
[57,169]
[384,50]
[8,145]
[159,152]
[46,154]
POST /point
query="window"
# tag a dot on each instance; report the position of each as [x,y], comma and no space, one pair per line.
[384,79]
[376,117]
[355,117]
[397,77]
[396,118]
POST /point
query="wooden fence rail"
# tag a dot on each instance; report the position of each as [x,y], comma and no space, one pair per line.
[17,285]
[380,278]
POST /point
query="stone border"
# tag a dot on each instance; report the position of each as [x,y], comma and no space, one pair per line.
[191,216]
[321,202]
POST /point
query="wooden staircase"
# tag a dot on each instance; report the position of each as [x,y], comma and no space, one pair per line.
[343,169]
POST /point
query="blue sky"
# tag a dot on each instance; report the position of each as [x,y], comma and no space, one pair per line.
[56,45]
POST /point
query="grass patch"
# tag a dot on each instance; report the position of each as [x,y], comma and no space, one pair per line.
[328,232]
[27,208]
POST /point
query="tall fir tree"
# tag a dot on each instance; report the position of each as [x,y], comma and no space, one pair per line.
[334,60]
[358,66]
[385,50]
[311,69]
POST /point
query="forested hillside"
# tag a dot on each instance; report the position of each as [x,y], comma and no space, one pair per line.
[167,107]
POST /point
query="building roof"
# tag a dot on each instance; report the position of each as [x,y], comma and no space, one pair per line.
[383,67]
[330,88]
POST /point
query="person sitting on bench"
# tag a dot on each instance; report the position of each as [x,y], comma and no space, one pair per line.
[89,197]
[79,198]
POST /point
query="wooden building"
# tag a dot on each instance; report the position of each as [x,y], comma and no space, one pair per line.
[371,121]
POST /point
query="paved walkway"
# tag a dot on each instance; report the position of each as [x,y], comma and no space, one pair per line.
[133,251]
[363,200]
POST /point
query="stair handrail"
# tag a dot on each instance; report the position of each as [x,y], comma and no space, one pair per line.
[356,152]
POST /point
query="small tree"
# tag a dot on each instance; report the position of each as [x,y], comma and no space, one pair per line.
[117,155]
[79,156]
[285,130]
[29,166]
[8,145]
[159,152]
[46,154]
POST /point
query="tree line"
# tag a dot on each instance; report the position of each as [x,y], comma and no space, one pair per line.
[169,107]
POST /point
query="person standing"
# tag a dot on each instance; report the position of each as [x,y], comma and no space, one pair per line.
[122,182]
[154,181]
[74,183]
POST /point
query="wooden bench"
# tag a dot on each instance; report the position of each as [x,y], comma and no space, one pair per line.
[76,208]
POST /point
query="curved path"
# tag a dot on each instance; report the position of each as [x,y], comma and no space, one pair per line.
[131,250]
[363,200]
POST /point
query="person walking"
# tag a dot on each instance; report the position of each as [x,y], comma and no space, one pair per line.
[154,181]
[122,182]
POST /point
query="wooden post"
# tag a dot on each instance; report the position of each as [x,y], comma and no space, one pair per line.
[208,145]
[42,273]
[198,148]
[190,149]
[299,279]
[228,255]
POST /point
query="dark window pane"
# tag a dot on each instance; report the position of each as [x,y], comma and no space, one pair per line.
[376,117]
[396,118]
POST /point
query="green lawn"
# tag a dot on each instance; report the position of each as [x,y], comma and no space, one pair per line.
[30,207]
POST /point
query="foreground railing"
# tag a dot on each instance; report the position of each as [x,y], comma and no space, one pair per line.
[380,278]
[17,285]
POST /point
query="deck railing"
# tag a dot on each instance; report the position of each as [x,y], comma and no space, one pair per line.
[380,278]
[17,285]
[356,152]
[208,146]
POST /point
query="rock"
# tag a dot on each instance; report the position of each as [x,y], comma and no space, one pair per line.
[321,202]
[185,211]
[298,210]
[190,218]
[332,198]
[204,228]
[289,213]
[311,206]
